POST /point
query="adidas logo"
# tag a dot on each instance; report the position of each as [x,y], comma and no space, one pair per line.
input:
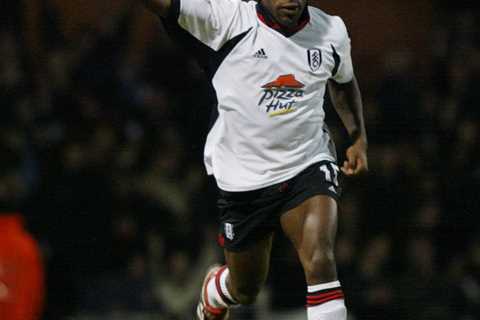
[260,54]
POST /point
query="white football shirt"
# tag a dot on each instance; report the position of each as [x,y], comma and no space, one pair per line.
[270,89]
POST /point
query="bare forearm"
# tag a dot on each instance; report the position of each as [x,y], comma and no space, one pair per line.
[158,7]
[347,101]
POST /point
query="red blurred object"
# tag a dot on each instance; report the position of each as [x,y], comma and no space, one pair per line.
[21,271]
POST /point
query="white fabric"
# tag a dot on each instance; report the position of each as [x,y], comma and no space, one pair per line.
[264,135]
[324,286]
[332,310]
[214,22]
[223,284]
[214,297]
[343,48]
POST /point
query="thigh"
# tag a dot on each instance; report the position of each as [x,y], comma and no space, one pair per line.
[249,267]
[311,226]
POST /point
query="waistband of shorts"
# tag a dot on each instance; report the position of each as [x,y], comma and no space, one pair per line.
[280,186]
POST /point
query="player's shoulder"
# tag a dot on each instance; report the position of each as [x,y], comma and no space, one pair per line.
[233,5]
[325,21]
[243,12]
[251,4]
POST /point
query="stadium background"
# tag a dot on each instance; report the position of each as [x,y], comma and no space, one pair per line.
[104,120]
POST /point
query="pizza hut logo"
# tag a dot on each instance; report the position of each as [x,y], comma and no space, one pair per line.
[281,95]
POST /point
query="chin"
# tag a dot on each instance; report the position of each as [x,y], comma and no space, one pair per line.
[287,22]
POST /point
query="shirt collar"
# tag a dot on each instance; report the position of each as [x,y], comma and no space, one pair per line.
[266,17]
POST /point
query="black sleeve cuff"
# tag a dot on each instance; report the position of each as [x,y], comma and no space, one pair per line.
[336,58]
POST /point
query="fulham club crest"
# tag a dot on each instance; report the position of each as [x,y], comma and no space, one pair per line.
[314,58]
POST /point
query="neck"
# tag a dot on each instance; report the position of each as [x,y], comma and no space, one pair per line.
[267,17]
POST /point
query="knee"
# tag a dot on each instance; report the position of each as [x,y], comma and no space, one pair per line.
[320,264]
[246,295]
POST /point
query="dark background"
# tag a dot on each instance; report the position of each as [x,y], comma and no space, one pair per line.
[103,122]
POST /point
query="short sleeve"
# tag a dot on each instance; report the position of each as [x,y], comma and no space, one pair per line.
[213,22]
[342,48]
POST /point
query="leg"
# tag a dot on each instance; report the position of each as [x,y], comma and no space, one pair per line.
[248,270]
[238,282]
[312,228]
[246,234]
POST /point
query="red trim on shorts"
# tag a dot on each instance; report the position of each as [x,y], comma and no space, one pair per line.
[221,240]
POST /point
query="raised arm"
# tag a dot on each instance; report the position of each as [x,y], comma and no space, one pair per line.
[347,101]
[158,7]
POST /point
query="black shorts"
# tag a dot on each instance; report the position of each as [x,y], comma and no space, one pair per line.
[247,217]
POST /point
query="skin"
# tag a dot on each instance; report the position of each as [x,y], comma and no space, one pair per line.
[285,12]
[248,270]
[347,101]
[311,226]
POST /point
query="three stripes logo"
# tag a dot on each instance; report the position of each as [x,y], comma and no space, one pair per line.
[260,54]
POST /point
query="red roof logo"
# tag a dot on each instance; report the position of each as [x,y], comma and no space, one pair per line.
[284,81]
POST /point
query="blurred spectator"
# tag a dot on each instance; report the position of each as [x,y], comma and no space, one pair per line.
[179,283]
[22,287]
[21,271]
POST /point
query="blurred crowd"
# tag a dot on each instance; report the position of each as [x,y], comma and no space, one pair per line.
[106,154]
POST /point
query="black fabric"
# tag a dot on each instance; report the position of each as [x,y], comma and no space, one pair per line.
[217,57]
[214,63]
[336,59]
[208,59]
[253,215]
[184,40]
